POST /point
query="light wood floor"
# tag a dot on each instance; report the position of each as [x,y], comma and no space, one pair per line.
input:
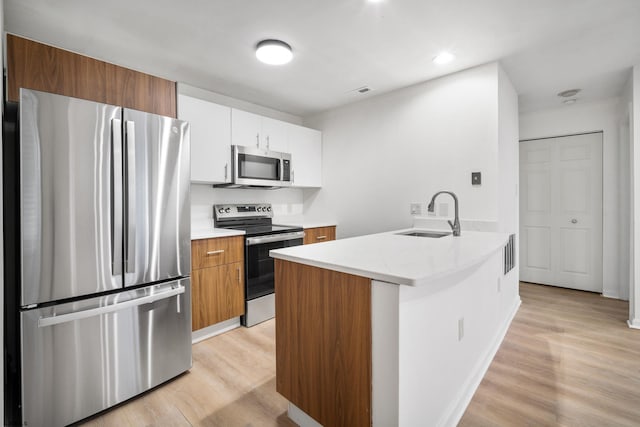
[568,359]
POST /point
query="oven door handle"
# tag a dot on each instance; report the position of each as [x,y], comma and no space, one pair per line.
[274,238]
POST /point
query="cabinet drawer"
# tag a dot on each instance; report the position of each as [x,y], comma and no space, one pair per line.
[218,251]
[319,234]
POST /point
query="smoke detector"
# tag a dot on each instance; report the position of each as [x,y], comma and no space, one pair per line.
[569,93]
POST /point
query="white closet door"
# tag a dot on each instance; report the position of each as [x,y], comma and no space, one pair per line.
[561,211]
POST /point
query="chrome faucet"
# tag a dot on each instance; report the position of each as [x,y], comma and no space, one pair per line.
[455,226]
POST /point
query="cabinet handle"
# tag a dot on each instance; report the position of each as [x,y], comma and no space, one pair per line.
[293,176]
[226,168]
[219,251]
[267,142]
[321,237]
[258,140]
[239,278]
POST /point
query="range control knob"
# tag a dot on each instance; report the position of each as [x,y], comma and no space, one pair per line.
[269,209]
[220,210]
[259,209]
[227,210]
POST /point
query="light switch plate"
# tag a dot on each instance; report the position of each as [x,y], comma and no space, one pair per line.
[476,178]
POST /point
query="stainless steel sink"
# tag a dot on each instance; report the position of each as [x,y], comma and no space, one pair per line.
[432,234]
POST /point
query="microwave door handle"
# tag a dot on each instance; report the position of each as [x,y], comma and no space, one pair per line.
[116,197]
[130,217]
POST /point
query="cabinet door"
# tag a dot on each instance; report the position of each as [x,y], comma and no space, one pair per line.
[273,135]
[305,146]
[218,294]
[210,139]
[245,128]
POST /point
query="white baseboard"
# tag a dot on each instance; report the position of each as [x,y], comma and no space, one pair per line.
[459,406]
[213,330]
[300,417]
[634,323]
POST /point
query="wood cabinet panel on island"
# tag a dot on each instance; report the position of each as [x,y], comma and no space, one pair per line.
[319,234]
[217,280]
[38,66]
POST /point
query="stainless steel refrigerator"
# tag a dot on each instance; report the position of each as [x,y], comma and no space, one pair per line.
[105,305]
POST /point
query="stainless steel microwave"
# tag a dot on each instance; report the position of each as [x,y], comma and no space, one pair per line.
[254,167]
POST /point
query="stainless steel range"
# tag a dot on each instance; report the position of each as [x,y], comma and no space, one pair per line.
[261,236]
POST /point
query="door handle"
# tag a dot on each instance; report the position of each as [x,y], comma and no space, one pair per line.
[116,197]
[574,221]
[83,314]
[130,200]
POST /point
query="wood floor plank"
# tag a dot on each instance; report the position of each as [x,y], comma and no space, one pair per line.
[568,359]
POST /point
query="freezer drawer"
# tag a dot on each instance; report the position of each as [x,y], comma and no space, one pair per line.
[80,358]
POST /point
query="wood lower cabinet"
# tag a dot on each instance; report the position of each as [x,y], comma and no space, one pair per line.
[319,234]
[217,279]
[38,66]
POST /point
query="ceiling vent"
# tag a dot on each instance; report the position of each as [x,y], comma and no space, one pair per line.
[363,89]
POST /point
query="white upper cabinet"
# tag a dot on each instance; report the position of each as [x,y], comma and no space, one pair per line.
[253,130]
[210,139]
[305,146]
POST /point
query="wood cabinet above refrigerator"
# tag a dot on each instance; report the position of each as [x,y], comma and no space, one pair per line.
[34,65]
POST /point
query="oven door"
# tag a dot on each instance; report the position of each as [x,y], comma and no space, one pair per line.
[259,266]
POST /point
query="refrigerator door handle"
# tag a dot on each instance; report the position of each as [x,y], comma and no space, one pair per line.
[116,197]
[78,315]
[130,217]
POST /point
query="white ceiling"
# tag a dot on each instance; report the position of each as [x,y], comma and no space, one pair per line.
[545,46]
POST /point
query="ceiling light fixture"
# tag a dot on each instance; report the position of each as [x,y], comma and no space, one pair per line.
[568,93]
[570,101]
[444,57]
[273,52]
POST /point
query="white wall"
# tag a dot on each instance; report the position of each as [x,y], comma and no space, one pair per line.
[508,175]
[383,153]
[285,201]
[217,98]
[580,118]
[634,295]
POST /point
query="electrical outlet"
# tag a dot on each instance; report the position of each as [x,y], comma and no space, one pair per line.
[416,208]
[460,328]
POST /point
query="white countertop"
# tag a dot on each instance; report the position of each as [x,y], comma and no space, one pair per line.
[405,260]
[211,232]
[303,222]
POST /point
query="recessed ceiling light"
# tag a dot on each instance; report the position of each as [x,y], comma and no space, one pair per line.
[444,57]
[568,93]
[273,52]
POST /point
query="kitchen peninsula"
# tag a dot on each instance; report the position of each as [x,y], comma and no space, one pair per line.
[391,328]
